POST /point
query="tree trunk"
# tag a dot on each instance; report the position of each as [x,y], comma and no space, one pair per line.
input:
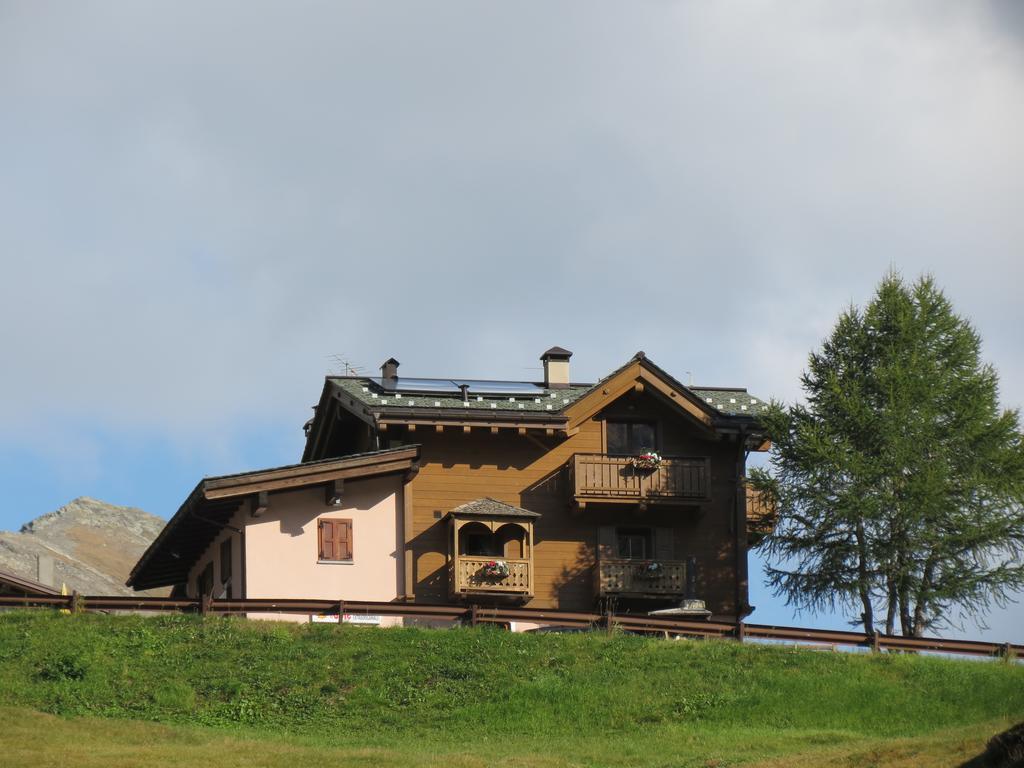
[890,615]
[922,595]
[863,583]
[906,625]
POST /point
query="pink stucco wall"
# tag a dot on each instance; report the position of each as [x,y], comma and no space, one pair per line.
[281,547]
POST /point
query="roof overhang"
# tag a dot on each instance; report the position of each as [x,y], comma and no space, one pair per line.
[215,500]
[446,418]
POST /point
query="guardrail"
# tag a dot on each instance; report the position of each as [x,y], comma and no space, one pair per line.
[475,615]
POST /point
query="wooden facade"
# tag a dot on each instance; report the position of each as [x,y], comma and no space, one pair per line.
[602,529]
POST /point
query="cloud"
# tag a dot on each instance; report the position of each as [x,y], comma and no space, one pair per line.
[201,204]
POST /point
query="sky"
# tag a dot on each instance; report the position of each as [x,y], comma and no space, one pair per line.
[205,207]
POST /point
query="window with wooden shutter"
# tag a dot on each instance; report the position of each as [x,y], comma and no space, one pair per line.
[335,540]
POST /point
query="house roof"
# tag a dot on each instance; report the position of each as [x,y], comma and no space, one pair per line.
[524,405]
[731,401]
[15,583]
[214,501]
[364,391]
[488,507]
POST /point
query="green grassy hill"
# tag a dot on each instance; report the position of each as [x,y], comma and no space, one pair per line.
[482,696]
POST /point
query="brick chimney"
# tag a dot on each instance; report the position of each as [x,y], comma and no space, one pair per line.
[389,372]
[556,368]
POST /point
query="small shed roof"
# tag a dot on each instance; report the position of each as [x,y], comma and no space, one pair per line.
[488,507]
[12,582]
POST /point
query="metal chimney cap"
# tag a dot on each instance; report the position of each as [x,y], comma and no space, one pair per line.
[556,353]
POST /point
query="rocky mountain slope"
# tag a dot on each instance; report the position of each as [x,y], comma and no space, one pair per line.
[93,545]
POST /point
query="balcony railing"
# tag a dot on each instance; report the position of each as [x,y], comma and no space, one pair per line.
[619,576]
[599,477]
[467,576]
[761,516]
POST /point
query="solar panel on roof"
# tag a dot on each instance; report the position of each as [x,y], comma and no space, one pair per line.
[438,386]
[452,386]
[481,387]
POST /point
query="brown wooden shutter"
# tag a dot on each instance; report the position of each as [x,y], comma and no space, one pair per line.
[343,539]
[664,544]
[327,540]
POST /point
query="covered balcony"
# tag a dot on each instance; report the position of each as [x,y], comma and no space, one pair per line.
[598,477]
[490,550]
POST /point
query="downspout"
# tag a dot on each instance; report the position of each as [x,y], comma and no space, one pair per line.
[743,608]
[408,556]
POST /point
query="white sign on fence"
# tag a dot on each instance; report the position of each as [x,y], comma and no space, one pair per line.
[348,618]
[361,618]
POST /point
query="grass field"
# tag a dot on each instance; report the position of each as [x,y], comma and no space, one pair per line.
[178,690]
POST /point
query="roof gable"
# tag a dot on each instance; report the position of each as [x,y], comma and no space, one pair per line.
[639,374]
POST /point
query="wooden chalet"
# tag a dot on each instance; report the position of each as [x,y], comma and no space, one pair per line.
[535,493]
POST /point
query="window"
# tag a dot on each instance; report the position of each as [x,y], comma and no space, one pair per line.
[630,438]
[225,561]
[204,584]
[335,540]
[634,543]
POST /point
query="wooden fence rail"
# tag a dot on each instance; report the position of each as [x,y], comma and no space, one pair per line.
[500,615]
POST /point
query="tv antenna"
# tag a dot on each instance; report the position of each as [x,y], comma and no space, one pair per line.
[343,366]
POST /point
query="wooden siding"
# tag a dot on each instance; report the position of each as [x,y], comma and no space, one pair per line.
[533,472]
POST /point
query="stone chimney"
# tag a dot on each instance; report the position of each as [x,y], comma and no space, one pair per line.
[389,373]
[556,368]
[44,570]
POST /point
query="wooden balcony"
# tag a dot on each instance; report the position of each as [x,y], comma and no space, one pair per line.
[467,579]
[761,516]
[631,578]
[598,477]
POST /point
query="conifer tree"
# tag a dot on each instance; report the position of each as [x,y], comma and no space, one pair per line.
[899,484]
